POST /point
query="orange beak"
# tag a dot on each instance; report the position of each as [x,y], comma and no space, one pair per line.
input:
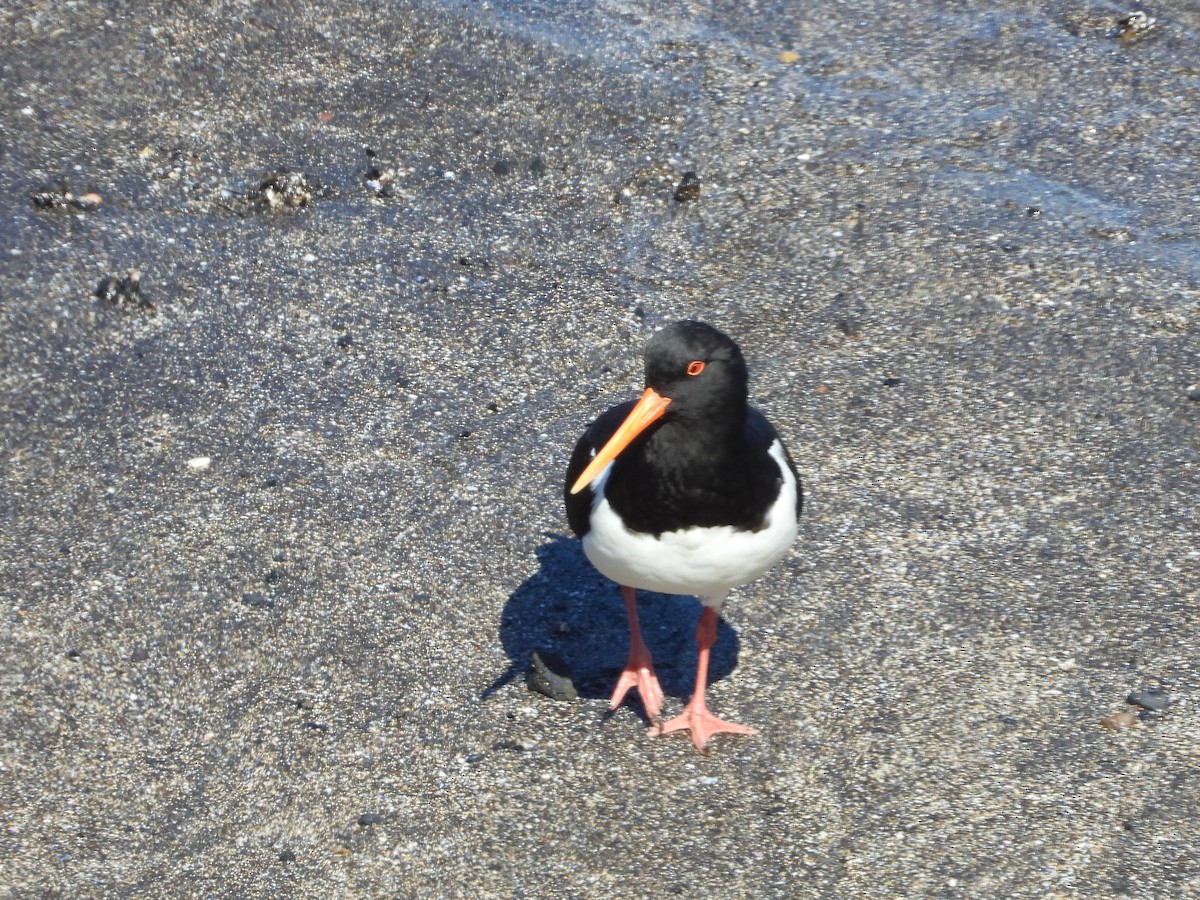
[648,409]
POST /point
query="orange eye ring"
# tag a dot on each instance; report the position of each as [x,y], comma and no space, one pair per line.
[695,367]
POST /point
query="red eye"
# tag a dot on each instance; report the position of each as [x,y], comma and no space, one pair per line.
[695,367]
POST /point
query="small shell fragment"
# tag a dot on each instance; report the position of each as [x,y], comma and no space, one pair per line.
[1120,721]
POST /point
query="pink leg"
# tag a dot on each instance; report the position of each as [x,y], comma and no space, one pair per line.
[695,717]
[639,669]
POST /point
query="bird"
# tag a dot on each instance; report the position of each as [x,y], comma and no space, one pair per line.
[687,490]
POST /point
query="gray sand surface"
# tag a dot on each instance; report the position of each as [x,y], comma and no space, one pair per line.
[960,247]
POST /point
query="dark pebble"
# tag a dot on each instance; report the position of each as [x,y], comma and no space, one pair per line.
[284,188]
[502,167]
[379,175]
[515,746]
[1194,393]
[122,291]
[366,820]
[1131,26]
[140,654]
[304,703]
[316,726]
[287,856]
[421,597]
[1149,698]
[346,341]
[537,166]
[274,576]
[256,600]
[1119,235]
[549,675]
[891,382]
[62,198]
[689,188]
[49,199]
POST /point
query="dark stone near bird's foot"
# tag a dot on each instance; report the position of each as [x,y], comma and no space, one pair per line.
[1150,698]
[549,675]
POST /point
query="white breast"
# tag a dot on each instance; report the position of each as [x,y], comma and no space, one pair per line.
[704,562]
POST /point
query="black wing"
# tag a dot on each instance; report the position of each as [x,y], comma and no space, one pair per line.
[579,506]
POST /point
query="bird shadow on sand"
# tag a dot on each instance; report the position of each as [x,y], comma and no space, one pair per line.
[570,610]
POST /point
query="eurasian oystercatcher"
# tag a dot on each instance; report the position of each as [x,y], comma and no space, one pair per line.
[688,490]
